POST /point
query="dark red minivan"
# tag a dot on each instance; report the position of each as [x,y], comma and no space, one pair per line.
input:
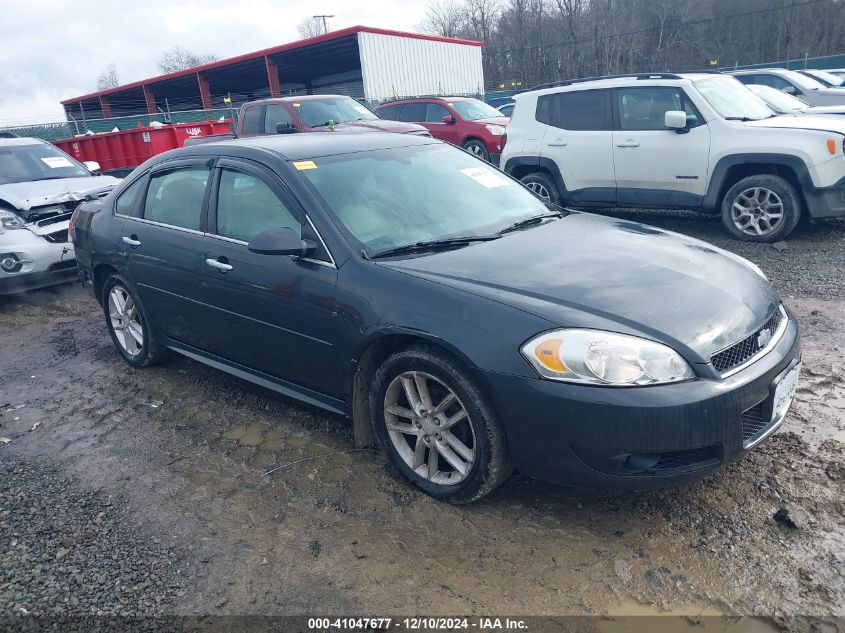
[462,121]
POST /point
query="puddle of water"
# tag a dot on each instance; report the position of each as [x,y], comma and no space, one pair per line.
[632,617]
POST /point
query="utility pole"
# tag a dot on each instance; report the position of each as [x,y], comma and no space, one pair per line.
[323,18]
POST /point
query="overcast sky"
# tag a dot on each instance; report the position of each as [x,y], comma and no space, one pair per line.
[53,50]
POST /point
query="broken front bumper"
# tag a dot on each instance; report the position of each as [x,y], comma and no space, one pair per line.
[34,257]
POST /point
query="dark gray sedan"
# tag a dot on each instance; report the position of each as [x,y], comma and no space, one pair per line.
[458,319]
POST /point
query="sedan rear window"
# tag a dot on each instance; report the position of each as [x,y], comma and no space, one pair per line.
[393,197]
[176,196]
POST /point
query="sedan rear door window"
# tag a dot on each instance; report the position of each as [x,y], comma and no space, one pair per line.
[175,196]
[246,205]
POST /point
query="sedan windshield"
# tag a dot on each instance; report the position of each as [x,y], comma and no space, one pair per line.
[474,110]
[36,161]
[318,112]
[732,100]
[778,100]
[389,198]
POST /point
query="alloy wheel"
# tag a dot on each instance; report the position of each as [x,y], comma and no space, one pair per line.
[125,321]
[757,211]
[430,428]
[540,190]
[476,150]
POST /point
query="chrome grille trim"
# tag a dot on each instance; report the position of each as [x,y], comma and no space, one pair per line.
[747,351]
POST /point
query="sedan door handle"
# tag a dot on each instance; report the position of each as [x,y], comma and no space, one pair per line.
[223,267]
[629,143]
[131,241]
[558,142]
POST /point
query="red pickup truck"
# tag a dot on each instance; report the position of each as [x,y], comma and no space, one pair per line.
[309,113]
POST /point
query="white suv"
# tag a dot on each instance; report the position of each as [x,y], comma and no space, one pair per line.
[695,141]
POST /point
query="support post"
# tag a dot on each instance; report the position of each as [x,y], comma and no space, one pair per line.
[205,93]
[272,77]
[105,107]
[150,99]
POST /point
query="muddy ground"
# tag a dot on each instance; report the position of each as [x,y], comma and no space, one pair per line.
[184,453]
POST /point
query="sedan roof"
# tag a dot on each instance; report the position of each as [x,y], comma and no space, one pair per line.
[313,145]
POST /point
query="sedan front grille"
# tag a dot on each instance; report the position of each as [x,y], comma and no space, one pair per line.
[754,423]
[739,353]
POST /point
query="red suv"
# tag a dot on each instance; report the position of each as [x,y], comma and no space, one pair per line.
[462,121]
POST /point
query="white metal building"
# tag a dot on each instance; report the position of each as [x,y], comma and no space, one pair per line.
[360,61]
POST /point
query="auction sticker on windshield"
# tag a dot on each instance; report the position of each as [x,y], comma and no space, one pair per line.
[55,162]
[486,177]
[304,164]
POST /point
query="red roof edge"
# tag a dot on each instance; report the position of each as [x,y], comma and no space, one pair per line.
[325,37]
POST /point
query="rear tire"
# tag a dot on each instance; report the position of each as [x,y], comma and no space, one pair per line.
[436,426]
[541,184]
[131,332]
[761,208]
[477,148]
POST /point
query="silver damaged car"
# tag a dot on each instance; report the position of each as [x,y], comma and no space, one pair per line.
[40,186]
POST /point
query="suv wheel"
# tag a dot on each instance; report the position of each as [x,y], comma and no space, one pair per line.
[541,183]
[477,148]
[761,208]
[437,427]
[130,331]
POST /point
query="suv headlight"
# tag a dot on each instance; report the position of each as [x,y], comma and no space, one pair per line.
[604,358]
[495,130]
[9,220]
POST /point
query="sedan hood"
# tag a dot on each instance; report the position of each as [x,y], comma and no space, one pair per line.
[382,125]
[26,195]
[589,271]
[834,109]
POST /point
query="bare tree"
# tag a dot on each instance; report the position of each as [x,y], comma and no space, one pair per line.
[311,27]
[108,78]
[446,18]
[180,58]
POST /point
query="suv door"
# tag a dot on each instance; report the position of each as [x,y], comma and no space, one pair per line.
[434,113]
[269,313]
[162,242]
[578,137]
[656,165]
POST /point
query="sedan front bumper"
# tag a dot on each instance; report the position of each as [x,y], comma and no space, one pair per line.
[42,262]
[639,437]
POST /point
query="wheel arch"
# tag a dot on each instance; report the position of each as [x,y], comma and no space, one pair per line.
[731,169]
[521,166]
[101,273]
[372,352]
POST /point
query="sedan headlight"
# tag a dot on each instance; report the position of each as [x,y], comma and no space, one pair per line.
[604,358]
[495,130]
[9,220]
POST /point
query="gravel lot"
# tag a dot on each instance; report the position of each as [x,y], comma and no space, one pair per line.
[145,492]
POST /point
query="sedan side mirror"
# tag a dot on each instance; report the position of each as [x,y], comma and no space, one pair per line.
[280,241]
[449,119]
[285,128]
[675,120]
[92,166]
[790,90]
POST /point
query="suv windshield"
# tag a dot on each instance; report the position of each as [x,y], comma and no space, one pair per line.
[36,161]
[732,100]
[318,112]
[474,110]
[396,197]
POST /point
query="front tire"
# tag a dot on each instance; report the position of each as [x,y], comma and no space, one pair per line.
[477,148]
[436,426]
[542,185]
[134,339]
[761,208]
